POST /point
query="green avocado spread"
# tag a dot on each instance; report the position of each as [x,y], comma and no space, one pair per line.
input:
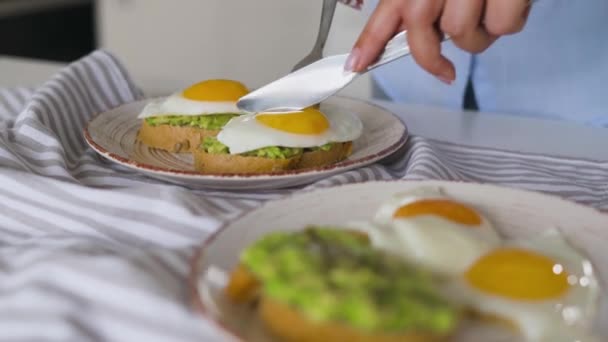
[210,122]
[214,146]
[333,275]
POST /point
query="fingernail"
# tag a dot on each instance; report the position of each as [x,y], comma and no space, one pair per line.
[445,80]
[446,75]
[352,60]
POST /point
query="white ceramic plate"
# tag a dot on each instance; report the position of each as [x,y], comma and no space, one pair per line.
[516,214]
[112,134]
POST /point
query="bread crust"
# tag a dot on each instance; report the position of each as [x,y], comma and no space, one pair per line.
[291,326]
[176,139]
[319,158]
[237,164]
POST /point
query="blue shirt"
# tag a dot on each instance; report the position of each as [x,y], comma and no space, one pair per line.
[556,68]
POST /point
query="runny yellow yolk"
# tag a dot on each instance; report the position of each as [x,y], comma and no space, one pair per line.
[216,91]
[444,208]
[309,121]
[518,274]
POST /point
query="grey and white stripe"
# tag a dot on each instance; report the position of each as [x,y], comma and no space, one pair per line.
[91,251]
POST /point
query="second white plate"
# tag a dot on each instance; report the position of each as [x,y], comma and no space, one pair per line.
[515,213]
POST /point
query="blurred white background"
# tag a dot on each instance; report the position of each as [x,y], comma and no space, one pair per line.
[168,44]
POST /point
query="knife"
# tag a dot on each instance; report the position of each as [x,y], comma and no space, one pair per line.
[316,82]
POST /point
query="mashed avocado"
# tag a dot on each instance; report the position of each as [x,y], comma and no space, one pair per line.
[333,275]
[325,147]
[214,146]
[211,122]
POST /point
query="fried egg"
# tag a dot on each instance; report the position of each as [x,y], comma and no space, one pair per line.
[204,98]
[433,230]
[307,128]
[543,287]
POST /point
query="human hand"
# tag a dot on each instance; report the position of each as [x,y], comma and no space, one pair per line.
[473,26]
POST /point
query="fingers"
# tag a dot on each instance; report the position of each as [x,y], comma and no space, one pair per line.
[505,17]
[380,28]
[425,40]
[420,18]
[472,24]
[461,20]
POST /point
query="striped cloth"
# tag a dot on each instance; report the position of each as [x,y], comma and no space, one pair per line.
[90,251]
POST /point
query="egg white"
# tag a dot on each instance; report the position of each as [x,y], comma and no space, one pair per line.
[440,245]
[244,133]
[568,318]
[177,104]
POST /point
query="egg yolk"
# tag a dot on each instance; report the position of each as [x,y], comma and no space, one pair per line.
[447,209]
[518,274]
[216,91]
[309,121]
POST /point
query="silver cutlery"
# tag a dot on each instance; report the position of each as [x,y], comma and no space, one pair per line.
[316,82]
[327,16]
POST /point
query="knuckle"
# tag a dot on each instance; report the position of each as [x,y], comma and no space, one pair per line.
[503,27]
[452,28]
[477,48]
[476,42]
[465,45]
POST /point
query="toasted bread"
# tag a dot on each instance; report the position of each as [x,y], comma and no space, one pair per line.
[177,139]
[291,326]
[320,158]
[237,164]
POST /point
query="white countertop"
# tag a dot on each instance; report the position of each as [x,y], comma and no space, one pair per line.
[25,72]
[505,132]
[472,128]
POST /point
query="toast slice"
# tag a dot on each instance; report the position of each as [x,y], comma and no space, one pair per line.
[177,139]
[238,164]
[291,326]
[320,158]
[206,162]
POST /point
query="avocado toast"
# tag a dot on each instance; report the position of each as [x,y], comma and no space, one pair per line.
[179,122]
[214,157]
[324,284]
[275,141]
[180,133]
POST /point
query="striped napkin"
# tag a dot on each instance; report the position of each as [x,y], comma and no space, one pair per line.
[91,251]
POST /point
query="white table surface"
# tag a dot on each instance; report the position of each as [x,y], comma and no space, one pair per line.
[472,128]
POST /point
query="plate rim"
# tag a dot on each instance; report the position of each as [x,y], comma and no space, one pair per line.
[340,166]
[194,270]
